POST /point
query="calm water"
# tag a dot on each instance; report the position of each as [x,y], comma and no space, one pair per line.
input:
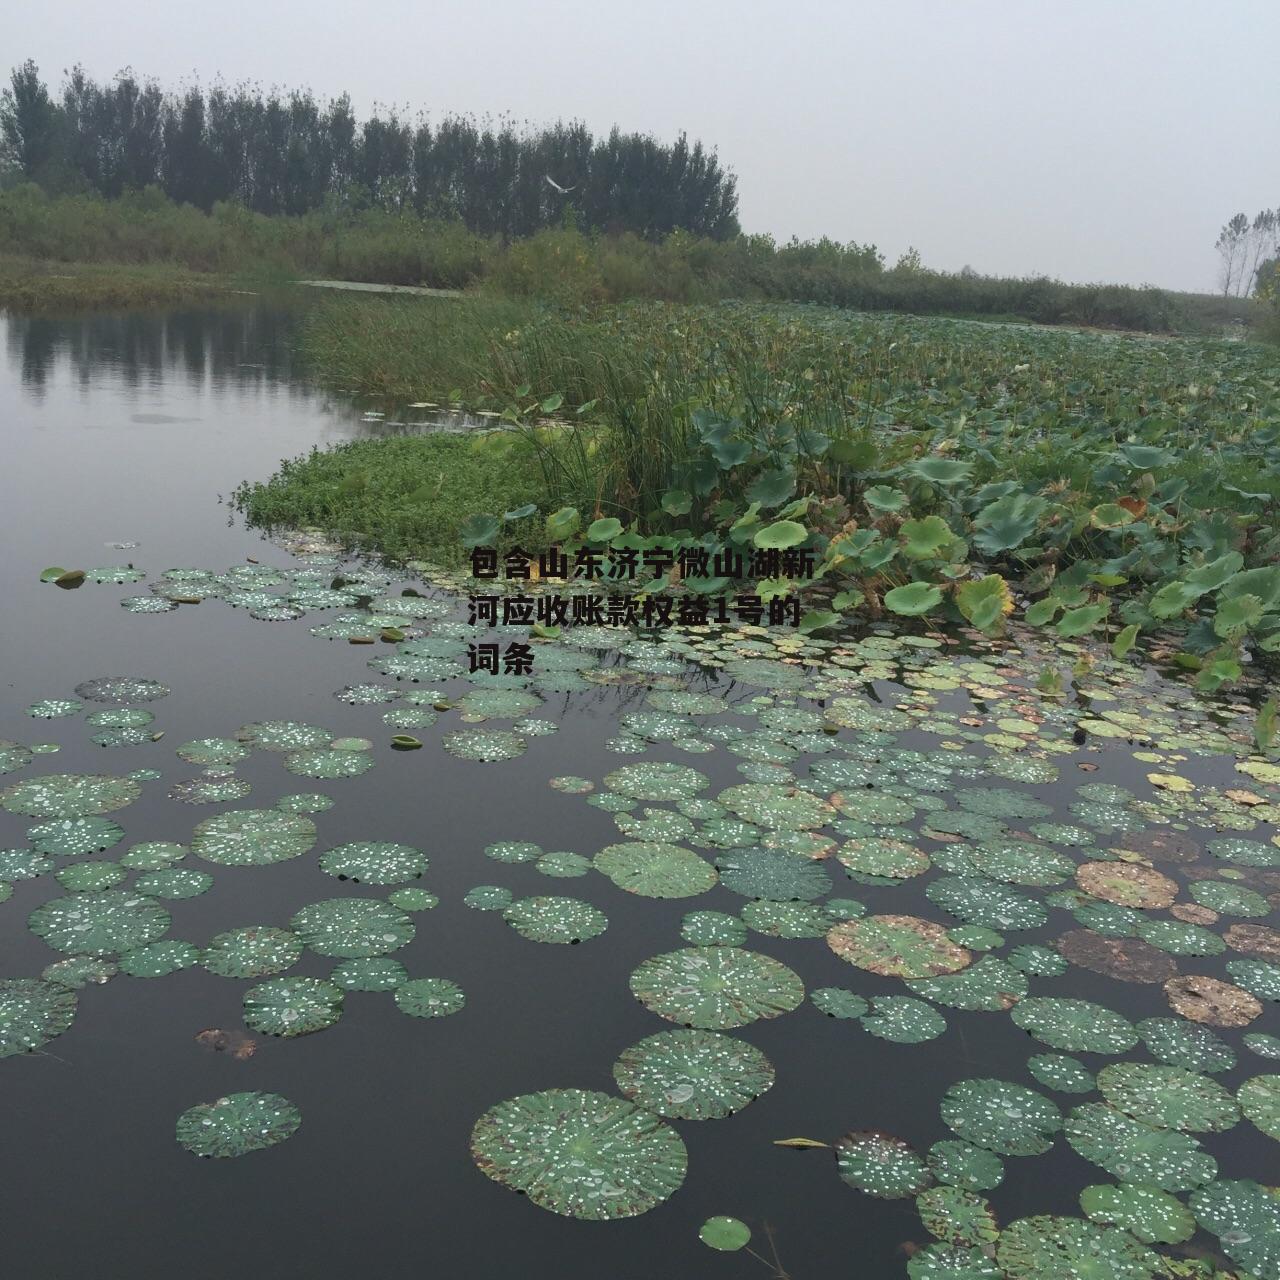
[136,429]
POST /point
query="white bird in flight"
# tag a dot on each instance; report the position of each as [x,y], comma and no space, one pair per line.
[564,191]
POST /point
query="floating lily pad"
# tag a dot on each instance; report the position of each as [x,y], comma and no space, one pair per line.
[656,781]
[429,997]
[372,973]
[1038,961]
[32,1013]
[99,924]
[373,862]
[836,1002]
[1168,1097]
[1127,884]
[88,877]
[716,988]
[1075,1026]
[292,1006]
[991,985]
[563,865]
[876,856]
[580,1154]
[1185,1045]
[76,972]
[252,952]
[897,946]
[329,764]
[1128,959]
[956,1216]
[1059,1072]
[1154,1216]
[350,928]
[121,689]
[1209,1000]
[487,746]
[1229,899]
[1136,1153]
[881,1165]
[1256,976]
[903,1020]
[1260,1101]
[1051,1248]
[253,837]
[514,851]
[725,1234]
[55,708]
[159,959]
[153,855]
[1002,1117]
[304,802]
[174,882]
[238,1124]
[962,1164]
[1246,1219]
[28,864]
[551,919]
[216,790]
[713,929]
[787,919]
[283,735]
[654,869]
[488,897]
[69,795]
[70,837]
[692,1075]
[413,899]
[978,900]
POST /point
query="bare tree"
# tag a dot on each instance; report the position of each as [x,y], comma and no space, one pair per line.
[1231,248]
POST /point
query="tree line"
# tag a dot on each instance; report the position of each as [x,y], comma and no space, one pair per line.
[1248,253]
[286,152]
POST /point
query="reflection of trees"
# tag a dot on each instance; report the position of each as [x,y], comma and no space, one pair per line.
[245,349]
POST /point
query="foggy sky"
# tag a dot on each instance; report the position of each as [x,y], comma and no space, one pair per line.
[1086,139]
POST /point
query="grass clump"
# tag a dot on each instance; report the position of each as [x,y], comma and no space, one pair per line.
[32,285]
[404,496]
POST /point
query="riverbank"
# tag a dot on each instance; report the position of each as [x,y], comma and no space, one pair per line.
[37,286]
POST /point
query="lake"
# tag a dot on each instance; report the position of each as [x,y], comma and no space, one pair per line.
[135,429]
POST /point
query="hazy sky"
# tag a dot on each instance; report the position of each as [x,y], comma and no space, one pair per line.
[1089,139]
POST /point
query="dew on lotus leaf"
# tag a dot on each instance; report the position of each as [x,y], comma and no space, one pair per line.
[148,604]
[23,864]
[123,738]
[69,795]
[253,837]
[1074,1026]
[716,988]
[121,689]
[292,1006]
[328,763]
[692,1075]
[1062,1073]
[32,1013]
[656,781]
[153,855]
[374,862]
[1246,1219]
[655,869]
[144,775]
[881,1165]
[555,919]
[209,790]
[876,856]
[366,694]
[581,1154]
[174,883]
[429,997]
[237,1124]
[903,1020]
[88,877]
[1168,1097]
[413,899]
[206,751]
[1005,1118]
[488,897]
[897,946]
[54,708]
[371,973]
[252,952]
[487,746]
[99,923]
[70,837]
[563,865]
[572,785]
[1047,1247]
[713,929]
[961,1164]
[514,851]
[159,959]
[786,919]
[76,972]
[992,985]
[1258,977]
[283,735]
[353,928]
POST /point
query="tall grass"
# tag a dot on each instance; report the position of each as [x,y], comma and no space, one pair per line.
[563,266]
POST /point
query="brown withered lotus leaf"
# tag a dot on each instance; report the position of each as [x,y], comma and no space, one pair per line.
[1160,846]
[1126,884]
[235,1044]
[1254,940]
[1208,1000]
[1193,913]
[898,946]
[1129,959]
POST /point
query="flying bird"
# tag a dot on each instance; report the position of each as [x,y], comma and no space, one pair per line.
[564,191]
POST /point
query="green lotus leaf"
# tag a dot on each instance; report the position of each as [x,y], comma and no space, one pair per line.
[881,1165]
[713,929]
[1057,1071]
[1075,1026]
[1008,522]
[877,856]
[352,928]
[903,1020]
[70,837]
[962,1164]
[283,735]
[238,1124]
[1256,976]
[213,751]
[956,1216]
[897,946]
[1050,1248]
[772,874]
[374,862]
[692,1075]
[1168,1097]
[551,919]
[174,882]
[88,877]
[836,1002]
[1002,1117]
[716,988]
[25,864]
[1136,1153]
[1260,1101]
[292,1006]
[913,599]
[488,897]
[69,795]
[1185,1044]
[654,869]
[99,924]
[369,973]
[1246,1219]
[1154,1216]
[429,997]
[253,837]
[925,538]
[787,919]
[780,535]
[32,1013]
[725,1234]
[581,1154]
[656,781]
[992,985]
[121,689]
[253,952]
[159,959]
